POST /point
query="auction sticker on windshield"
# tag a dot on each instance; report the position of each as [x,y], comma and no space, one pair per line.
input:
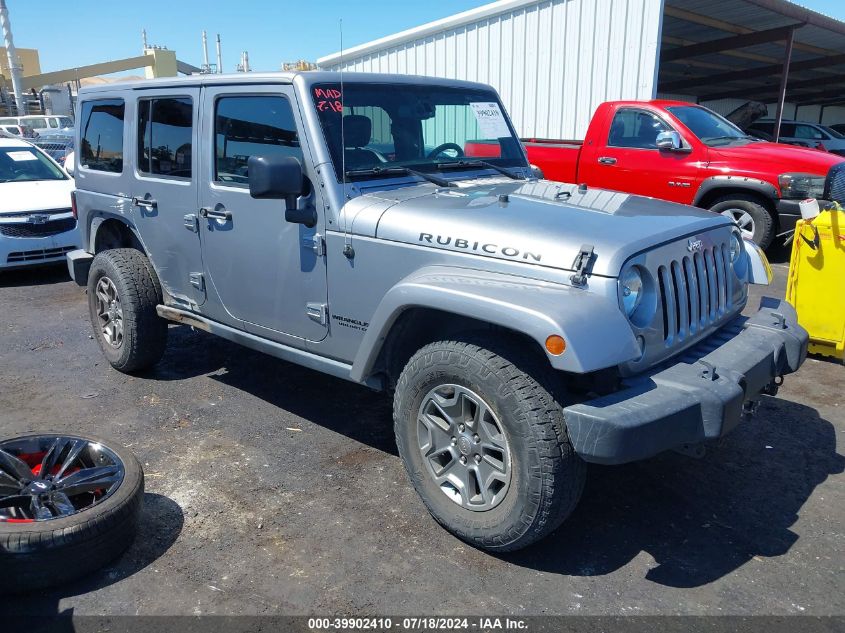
[490,119]
[21,156]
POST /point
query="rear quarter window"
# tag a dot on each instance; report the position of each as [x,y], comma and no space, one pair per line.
[101,139]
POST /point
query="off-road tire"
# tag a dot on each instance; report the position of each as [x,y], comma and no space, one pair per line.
[547,475]
[764,222]
[47,553]
[144,332]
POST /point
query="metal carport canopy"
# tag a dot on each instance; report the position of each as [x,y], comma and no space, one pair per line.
[761,50]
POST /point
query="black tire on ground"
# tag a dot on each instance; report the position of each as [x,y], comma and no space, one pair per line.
[547,476]
[764,222]
[144,333]
[47,553]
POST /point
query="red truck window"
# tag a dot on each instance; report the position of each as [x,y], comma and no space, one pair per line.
[635,129]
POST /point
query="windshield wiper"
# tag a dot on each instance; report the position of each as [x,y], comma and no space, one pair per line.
[460,164]
[387,171]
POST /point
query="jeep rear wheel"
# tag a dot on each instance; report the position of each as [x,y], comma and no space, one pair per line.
[482,437]
[123,292]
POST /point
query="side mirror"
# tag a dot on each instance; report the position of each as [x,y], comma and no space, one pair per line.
[537,172]
[280,178]
[669,140]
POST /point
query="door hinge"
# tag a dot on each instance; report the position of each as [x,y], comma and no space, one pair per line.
[192,222]
[318,312]
[315,243]
[197,281]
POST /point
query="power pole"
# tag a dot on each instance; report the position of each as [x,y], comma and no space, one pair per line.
[12,55]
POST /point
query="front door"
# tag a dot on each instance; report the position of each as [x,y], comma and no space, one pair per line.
[266,273]
[631,162]
[164,188]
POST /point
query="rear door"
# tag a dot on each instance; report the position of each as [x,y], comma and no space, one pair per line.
[164,188]
[628,160]
[267,273]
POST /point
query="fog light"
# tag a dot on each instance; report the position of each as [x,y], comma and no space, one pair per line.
[555,345]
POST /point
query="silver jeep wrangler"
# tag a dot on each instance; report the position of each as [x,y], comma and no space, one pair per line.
[388,230]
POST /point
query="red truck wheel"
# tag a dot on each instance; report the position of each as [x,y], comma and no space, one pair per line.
[754,220]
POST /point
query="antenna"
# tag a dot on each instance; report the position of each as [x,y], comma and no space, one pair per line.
[348,251]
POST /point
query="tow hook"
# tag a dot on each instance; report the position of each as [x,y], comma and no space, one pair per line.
[772,388]
[749,408]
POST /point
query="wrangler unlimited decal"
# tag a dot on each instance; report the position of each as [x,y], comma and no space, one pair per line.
[492,249]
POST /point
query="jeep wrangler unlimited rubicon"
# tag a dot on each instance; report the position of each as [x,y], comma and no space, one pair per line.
[525,327]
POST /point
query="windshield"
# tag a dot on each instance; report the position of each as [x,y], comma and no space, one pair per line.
[22,164]
[831,131]
[708,126]
[427,128]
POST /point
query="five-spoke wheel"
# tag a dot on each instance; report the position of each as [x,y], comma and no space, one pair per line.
[464,446]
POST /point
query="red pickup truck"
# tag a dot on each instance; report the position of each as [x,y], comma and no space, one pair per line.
[685,153]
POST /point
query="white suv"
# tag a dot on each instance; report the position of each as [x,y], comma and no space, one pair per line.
[801,133]
[40,123]
[37,224]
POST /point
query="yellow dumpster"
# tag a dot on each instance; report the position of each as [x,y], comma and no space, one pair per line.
[816,285]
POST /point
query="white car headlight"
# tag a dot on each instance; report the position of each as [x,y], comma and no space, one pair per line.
[799,186]
[631,284]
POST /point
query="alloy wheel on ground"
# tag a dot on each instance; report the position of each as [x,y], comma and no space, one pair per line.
[45,477]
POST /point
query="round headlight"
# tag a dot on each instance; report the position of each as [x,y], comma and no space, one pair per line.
[632,290]
[736,247]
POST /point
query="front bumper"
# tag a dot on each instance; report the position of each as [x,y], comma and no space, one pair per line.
[700,397]
[33,251]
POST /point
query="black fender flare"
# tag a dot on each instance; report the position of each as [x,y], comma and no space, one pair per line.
[752,185]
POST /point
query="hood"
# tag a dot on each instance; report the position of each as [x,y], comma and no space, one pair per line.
[36,195]
[541,223]
[747,113]
[765,158]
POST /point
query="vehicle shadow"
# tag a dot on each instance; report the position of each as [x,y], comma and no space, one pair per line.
[35,276]
[352,410]
[698,519]
[160,525]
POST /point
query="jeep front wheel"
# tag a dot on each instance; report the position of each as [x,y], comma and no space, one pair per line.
[123,292]
[482,437]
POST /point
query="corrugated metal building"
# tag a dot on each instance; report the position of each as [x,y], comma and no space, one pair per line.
[554,61]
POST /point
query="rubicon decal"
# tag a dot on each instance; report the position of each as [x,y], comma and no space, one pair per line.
[489,248]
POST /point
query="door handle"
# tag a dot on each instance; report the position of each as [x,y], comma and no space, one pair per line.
[213,214]
[147,203]
[607,160]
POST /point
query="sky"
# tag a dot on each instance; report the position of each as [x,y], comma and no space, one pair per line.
[81,32]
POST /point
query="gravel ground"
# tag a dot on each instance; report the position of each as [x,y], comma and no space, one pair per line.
[272,489]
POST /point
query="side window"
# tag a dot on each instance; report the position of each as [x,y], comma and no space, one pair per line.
[250,126]
[53,122]
[636,129]
[102,135]
[807,132]
[164,136]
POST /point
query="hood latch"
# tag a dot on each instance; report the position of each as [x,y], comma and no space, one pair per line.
[582,264]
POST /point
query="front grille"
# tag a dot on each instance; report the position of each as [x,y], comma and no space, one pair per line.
[27,229]
[834,186]
[37,255]
[694,292]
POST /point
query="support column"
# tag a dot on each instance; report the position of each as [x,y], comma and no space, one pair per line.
[12,55]
[783,80]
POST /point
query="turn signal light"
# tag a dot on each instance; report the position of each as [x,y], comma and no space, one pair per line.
[555,345]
